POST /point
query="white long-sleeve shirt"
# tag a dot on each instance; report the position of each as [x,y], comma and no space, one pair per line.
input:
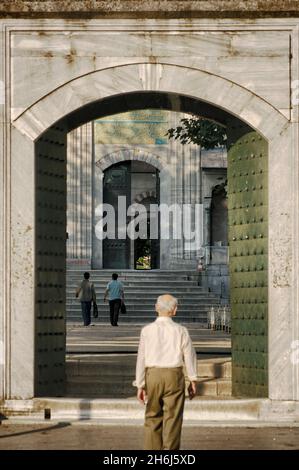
[165,343]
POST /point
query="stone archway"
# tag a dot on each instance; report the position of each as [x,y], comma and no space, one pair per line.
[138,154]
[145,77]
[69,106]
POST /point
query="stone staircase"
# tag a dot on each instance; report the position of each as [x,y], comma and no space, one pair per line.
[141,291]
[111,376]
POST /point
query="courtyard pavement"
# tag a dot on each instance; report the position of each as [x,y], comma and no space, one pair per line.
[63,436]
[77,435]
[102,337]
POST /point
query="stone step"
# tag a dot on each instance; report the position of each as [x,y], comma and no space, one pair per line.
[147,302]
[133,317]
[155,290]
[150,306]
[120,411]
[134,272]
[142,280]
[130,317]
[116,365]
[153,296]
[74,304]
[214,387]
[142,276]
[214,368]
[135,297]
[153,293]
[112,375]
[137,320]
[141,284]
[141,291]
[145,306]
[155,287]
[109,387]
[142,314]
[142,311]
[150,296]
[138,275]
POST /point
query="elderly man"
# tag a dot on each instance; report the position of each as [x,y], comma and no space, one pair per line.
[164,348]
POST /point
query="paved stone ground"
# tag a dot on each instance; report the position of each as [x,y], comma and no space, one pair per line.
[102,338]
[81,437]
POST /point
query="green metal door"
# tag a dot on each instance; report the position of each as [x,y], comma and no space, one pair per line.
[50,332]
[248,253]
[117,182]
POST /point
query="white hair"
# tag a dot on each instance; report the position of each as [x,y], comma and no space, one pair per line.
[166,304]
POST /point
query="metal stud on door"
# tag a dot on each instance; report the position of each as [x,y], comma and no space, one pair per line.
[117,182]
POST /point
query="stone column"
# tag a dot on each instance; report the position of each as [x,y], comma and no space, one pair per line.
[283,307]
[176,153]
[192,191]
[166,247]
[20,271]
[79,196]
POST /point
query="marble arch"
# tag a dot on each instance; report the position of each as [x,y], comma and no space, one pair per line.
[172,79]
[130,154]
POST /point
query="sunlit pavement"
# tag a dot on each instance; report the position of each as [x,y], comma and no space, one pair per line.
[73,437]
[102,337]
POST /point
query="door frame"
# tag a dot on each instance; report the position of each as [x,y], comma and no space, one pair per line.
[100,166]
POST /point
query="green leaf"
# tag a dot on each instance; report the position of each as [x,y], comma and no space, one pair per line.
[199,131]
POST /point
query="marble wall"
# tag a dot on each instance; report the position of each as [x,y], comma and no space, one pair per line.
[79,197]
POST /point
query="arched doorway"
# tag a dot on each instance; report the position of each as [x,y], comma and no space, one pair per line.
[125,180]
[249,331]
[50,146]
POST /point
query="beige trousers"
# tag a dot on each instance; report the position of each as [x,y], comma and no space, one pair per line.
[165,388]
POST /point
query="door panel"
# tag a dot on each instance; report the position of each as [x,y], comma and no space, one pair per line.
[50,333]
[248,250]
[117,182]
